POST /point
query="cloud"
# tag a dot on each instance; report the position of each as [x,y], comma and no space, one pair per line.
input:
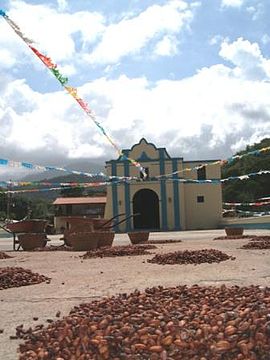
[232,3]
[206,115]
[6,59]
[59,34]
[256,11]
[130,36]
[62,4]
[265,39]
[247,58]
[167,46]
[216,40]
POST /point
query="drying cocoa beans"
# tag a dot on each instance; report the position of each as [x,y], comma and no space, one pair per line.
[169,241]
[234,237]
[183,323]
[129,250]
[17,276]
[260,244]
[3,255]
[191,257]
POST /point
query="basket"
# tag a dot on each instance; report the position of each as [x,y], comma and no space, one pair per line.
[79,224]
[83,241]
[234,231]
[31,241]
[27,226]
[98,223]
[138,237]
[105,238]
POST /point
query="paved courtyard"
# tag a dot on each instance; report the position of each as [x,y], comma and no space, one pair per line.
[75,280]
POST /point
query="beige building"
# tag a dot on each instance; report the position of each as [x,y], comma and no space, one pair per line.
[65,207]
[163,204]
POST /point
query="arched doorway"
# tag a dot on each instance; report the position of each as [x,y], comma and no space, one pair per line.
[146,203]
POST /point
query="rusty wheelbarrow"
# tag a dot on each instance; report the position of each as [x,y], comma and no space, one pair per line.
[88,234]
[33,227]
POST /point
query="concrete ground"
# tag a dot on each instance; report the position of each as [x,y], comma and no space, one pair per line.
[75,280]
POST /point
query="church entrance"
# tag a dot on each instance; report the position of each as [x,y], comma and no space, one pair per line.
[146,203]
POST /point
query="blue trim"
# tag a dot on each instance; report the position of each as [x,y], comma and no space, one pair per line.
[176,203]
[127,206]
[114,193]
[114,169]
[127,191]
[148,143]
[144,157]
[163,192]
[115,203]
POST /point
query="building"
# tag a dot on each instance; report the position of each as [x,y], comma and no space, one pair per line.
[164,203]
[93,207]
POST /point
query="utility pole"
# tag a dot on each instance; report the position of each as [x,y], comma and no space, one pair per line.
[9,187]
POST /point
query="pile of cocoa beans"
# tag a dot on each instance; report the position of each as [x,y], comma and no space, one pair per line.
[259,244]
[234,237]
[265,238]
[128,250]
[3,255]
[54,248]
[16,276]
[183,323]
[169,241]
[191,257]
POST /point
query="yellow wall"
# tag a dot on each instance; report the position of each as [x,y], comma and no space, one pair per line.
[193,215]
[204,215]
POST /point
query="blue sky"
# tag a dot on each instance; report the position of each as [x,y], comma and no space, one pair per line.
[192,76]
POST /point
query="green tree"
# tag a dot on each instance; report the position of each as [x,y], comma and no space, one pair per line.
[256,186]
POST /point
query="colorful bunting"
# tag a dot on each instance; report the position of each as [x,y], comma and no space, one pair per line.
[221,162]
[257,203]
[26,165]
[63,81]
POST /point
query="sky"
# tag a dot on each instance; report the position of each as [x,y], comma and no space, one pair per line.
[191,76]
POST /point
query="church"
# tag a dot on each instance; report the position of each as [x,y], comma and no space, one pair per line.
[174,195]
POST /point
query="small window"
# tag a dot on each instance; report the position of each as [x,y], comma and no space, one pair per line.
[147,174]
[200,199]
[201,173]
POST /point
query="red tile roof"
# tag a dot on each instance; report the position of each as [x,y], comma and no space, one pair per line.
[80,200]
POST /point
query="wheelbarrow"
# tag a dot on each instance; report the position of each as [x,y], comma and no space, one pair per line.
[92,234]
[33,226]
[108,225]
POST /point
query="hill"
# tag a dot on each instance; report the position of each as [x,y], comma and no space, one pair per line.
[253,188]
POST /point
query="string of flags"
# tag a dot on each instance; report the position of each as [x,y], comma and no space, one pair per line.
[63,80]
[256,203]
[57,188]
[247,213]
[218,162]
[30,166]
[60,185]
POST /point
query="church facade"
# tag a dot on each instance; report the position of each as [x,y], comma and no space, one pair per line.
[164,203]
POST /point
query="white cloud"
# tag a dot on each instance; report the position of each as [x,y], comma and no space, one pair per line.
[62,4]
[6,59]
[217,39]
[232,3]
[70,39]
[247,58]
[265,39]
[53,30]
[202,116]
[167,46]
[256,11]
[130,36]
